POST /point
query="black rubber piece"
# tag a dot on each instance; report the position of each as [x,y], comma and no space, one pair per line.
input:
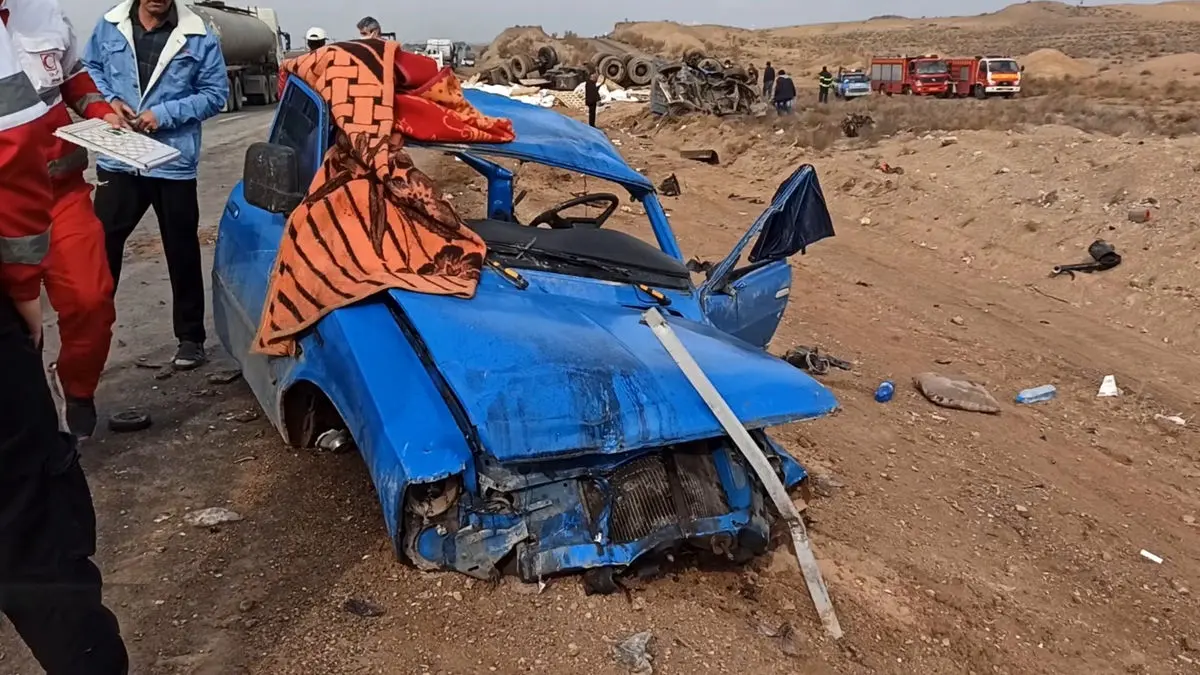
[129,422]
[600,581]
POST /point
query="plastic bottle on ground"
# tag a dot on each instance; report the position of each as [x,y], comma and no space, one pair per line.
[885,391]
[1037,394]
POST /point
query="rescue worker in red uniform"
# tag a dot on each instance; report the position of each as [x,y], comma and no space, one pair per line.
[78,281]
[49,588]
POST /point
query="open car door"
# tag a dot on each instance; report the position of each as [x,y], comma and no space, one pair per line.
[748,301]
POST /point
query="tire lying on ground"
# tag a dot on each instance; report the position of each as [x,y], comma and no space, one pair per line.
[547,57]
[612,68]
[640,71]
[521,66]
[595,59]
[501,75]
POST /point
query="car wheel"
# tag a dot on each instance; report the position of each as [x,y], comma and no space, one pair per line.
[600,581]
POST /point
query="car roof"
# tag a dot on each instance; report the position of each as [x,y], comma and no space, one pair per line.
[544,136]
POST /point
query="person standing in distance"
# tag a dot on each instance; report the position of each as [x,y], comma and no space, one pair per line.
[768,81]
[157,63]
[591,97]
[49,588]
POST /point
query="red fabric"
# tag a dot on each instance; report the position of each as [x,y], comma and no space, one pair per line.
[79,86]
[80,288]
[430,106]
[25,193]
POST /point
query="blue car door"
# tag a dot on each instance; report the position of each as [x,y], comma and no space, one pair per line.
[748,301]
[248,240]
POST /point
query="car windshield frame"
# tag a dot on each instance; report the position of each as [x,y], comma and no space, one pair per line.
[932,67]
[856,78]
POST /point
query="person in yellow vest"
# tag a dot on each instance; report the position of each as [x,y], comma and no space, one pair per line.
[825,80]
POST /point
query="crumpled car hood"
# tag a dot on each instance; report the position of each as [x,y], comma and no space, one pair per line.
[539,375]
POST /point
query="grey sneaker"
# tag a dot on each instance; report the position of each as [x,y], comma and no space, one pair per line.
[188,356]
[81,417]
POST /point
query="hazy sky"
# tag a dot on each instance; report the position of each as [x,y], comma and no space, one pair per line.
[480,20]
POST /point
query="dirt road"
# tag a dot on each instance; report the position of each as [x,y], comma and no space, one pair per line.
[953,542]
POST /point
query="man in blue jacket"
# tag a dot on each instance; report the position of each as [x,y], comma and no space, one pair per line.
[158,65]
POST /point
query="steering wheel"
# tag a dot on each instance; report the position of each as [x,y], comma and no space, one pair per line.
[552,218]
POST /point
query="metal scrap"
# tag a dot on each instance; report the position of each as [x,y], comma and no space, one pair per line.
[702,85]
[852,122]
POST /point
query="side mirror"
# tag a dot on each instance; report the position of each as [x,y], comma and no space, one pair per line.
[271,178]
[1022,69]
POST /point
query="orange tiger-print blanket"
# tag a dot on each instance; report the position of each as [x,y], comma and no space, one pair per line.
[371,220]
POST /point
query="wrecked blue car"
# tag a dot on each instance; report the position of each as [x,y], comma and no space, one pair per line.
[538,428]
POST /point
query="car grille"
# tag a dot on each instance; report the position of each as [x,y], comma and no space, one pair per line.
[643,494]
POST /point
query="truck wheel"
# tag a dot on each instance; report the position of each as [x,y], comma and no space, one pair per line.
[521,66]
[906,90]
[547,57]
[640,71]
[979,92]
[612,68]
[229,100]
[237,94]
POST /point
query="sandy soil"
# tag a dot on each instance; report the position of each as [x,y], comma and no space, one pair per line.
[953,542]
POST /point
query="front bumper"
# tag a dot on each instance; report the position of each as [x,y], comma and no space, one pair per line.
[545,520]
[1003,89]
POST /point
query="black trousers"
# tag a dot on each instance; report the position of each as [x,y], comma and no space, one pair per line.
[49,587]
[592,115]
[122,200]
[823,96]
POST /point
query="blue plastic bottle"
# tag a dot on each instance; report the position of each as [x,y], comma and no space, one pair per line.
[1037,394]
[885,391]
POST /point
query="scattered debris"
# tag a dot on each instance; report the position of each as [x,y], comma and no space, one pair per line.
[363,608]
[949,140]
[1023,511]
[244,416]
[887,168]
[1138,215]
[1040,394]
[885,391]
[958,320]
[1173,419]
[1104,257]
[864,221]
[1108,387]
[129,421]
[224,376]
[853,122]
[211,517]
[706,155]
[634,653]
[813,361]
[670,187]
[1151,557]
[956,394]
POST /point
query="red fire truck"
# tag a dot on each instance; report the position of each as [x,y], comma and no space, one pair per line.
[925,75]
[983,76]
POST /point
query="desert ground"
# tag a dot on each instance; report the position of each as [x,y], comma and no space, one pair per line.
[952,542]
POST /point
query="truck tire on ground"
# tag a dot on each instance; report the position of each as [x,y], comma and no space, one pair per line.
[500,75]
[612,68]
[521,66]
[640,71]
[595,59]
[547,57]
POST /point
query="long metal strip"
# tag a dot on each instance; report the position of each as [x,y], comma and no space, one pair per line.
[758,461]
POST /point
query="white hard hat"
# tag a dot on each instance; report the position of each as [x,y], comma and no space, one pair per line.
[315,33]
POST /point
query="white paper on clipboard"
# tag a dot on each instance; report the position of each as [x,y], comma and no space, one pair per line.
[124,145]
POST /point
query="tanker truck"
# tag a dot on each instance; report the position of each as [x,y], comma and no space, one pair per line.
[253,47]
